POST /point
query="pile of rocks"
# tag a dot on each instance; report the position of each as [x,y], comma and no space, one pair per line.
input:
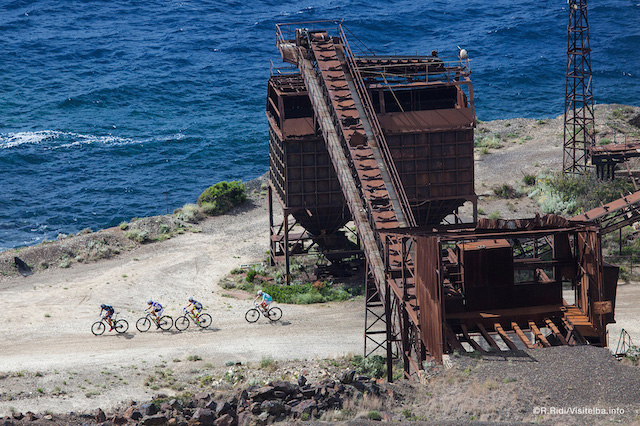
[254,405]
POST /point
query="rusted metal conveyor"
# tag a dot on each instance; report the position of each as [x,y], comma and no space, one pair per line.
[356,145]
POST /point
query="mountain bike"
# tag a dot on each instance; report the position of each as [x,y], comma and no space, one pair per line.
[165,322]
[253,314]
[203,320]
[119,325]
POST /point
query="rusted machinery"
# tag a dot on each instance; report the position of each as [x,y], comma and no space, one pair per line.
[414,116]
[387,142]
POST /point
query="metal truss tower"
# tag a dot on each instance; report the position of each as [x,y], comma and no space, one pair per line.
[579,134]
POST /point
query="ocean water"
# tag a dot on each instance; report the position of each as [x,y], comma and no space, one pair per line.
[115,109]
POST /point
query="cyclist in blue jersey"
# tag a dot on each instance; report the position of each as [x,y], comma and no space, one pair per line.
[108,313]
[195,306]
[265,300]
[155,309]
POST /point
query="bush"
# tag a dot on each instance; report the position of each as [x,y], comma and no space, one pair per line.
[137,235]
[304,294]
[189,213]
[529,180]
[222,197]
[506,191]
[374,415]
[372,366]
[569,195]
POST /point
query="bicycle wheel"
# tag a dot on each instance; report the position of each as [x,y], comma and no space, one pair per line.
[166,322]
[252,315]
[182,323]
[274,313]
[143,324]
[122,326]
[204,320]
[98,328]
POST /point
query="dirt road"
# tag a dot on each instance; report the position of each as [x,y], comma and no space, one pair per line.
[45,319]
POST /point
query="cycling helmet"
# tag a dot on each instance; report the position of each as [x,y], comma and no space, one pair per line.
[103,306]
[259,292]
[149,302]
[191,299]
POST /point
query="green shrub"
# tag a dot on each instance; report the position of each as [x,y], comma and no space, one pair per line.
[529,180]
[569,195]
[222,197]
[189,213]
[124,226]
[372,366]
[506,191]
[493,216]
[251,274]
[303,294]
[604,141]
[374,415]
[137,235]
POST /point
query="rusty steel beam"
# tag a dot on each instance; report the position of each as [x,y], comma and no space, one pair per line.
[538,334]
[505,338]
[523,338]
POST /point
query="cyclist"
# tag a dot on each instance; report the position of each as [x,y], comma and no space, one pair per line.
[156,310]
[108,313]
[265,300]
[194,305]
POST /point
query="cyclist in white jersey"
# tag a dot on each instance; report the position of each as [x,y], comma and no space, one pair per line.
[195,306]
[155,309]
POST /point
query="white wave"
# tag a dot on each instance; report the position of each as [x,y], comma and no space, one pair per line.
[71,139]
[11,140]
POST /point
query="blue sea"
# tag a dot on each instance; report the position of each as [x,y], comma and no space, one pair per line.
[112,109]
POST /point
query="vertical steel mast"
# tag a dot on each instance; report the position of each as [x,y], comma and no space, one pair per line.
[579,134]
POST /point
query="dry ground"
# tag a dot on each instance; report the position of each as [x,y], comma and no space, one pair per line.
[50,361]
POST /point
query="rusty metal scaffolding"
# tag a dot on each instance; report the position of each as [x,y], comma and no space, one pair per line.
[579,131]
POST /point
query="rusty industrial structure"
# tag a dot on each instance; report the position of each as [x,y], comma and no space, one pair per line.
[386,143]
[579,130]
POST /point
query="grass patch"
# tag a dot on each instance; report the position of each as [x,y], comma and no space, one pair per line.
[529,180]
[304,294]
[194,358]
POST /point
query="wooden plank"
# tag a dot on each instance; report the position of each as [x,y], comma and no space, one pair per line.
[497,313]
[505,338]
[470,340]
[453,340]
[487,337]
[538,334]
[523,337]
[572,333]
[555,331]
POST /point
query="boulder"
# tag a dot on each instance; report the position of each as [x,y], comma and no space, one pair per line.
[202,395]
[302,381]
[211,405]
[262,393]
[246,419]
[148,409]
[118,420]
[156,419]
[30,416]
[225,420]
[203,416]
[100,416]
[223,408]
[307,406]
[347,377]
[286,387]
[274,407]
[133,413]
